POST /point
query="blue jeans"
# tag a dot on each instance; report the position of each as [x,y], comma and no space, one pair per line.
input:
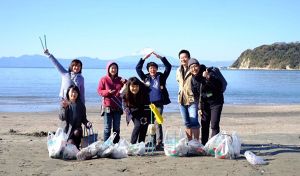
[112,119]
[189,114]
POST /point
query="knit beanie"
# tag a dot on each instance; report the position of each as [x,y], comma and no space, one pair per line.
[193,61]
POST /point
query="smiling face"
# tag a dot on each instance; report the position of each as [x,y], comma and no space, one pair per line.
[113,70]
[184,59]
[152,70]
[134,89]
[76,68]
[194,69]
[73,95]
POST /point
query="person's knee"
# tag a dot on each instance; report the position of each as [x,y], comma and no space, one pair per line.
[77,133]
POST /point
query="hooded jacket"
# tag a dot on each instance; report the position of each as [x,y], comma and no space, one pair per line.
[106,83]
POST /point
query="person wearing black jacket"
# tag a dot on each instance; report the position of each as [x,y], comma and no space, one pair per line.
[208,89]
[73,111]
[136,100]
[158,92]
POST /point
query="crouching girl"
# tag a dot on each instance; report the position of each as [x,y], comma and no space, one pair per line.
[73,111]
[136,101]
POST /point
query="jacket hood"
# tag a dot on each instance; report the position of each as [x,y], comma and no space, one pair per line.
[107,68]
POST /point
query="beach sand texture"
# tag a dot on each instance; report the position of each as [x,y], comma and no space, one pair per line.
[269,131]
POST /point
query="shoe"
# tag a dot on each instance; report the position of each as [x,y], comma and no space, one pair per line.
[159,147]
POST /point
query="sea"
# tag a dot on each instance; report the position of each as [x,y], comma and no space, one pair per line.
[37,89]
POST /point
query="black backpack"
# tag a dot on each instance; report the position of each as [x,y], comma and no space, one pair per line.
[220,77]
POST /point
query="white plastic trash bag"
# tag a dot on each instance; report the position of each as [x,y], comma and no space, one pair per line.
[224,146]
[69,151]
[175,143]
[224,149]
[181,148]
[195,148]
[213,143]
[236,144]
[56,142]
[89,151]
[107,147]
[253,159]
[107,152]
[136,149]
[120,150]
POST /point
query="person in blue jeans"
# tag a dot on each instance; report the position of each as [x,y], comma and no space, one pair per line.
[159,95]
[109,88]
[188,105]
[208,90]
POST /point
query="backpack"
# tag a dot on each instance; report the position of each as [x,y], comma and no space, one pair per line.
[220,77]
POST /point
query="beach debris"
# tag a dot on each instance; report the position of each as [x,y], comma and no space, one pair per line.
[12,131]
[253,159]
[37,134]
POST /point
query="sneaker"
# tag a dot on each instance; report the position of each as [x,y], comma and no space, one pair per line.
[159,147]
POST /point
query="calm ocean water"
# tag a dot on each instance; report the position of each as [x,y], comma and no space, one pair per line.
[36,89]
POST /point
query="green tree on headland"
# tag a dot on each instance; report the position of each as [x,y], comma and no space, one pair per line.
[275,56]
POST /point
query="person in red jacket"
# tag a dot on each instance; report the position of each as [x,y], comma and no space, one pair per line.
[109,88]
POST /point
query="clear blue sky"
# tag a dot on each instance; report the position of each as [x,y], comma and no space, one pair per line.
[213,30]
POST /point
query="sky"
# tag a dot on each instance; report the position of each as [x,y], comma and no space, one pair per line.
[216,30]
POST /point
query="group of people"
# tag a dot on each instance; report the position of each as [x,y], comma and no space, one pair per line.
[199,96]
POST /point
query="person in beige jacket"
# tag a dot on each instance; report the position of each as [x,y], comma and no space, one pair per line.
[187,104]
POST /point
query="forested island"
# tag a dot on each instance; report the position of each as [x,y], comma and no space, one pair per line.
[275,56]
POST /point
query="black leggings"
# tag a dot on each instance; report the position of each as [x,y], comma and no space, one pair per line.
[139,131]
[210,115]
[76,139]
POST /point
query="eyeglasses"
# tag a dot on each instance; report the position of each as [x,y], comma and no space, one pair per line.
[194,66]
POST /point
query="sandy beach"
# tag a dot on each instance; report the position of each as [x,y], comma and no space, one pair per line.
[269,131]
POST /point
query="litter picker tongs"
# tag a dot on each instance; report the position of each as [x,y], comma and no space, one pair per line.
[44,46]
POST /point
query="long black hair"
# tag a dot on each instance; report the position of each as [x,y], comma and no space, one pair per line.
[141,98]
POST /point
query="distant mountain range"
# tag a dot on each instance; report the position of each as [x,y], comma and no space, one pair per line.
[26,61]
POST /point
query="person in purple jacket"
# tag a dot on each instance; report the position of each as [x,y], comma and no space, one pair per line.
[72,76]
